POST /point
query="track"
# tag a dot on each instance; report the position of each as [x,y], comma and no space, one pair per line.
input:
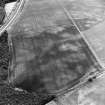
[12,16]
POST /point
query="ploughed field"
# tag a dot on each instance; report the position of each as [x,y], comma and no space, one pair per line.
[50,62]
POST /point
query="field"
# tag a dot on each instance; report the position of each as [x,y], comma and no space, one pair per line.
[50,53]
